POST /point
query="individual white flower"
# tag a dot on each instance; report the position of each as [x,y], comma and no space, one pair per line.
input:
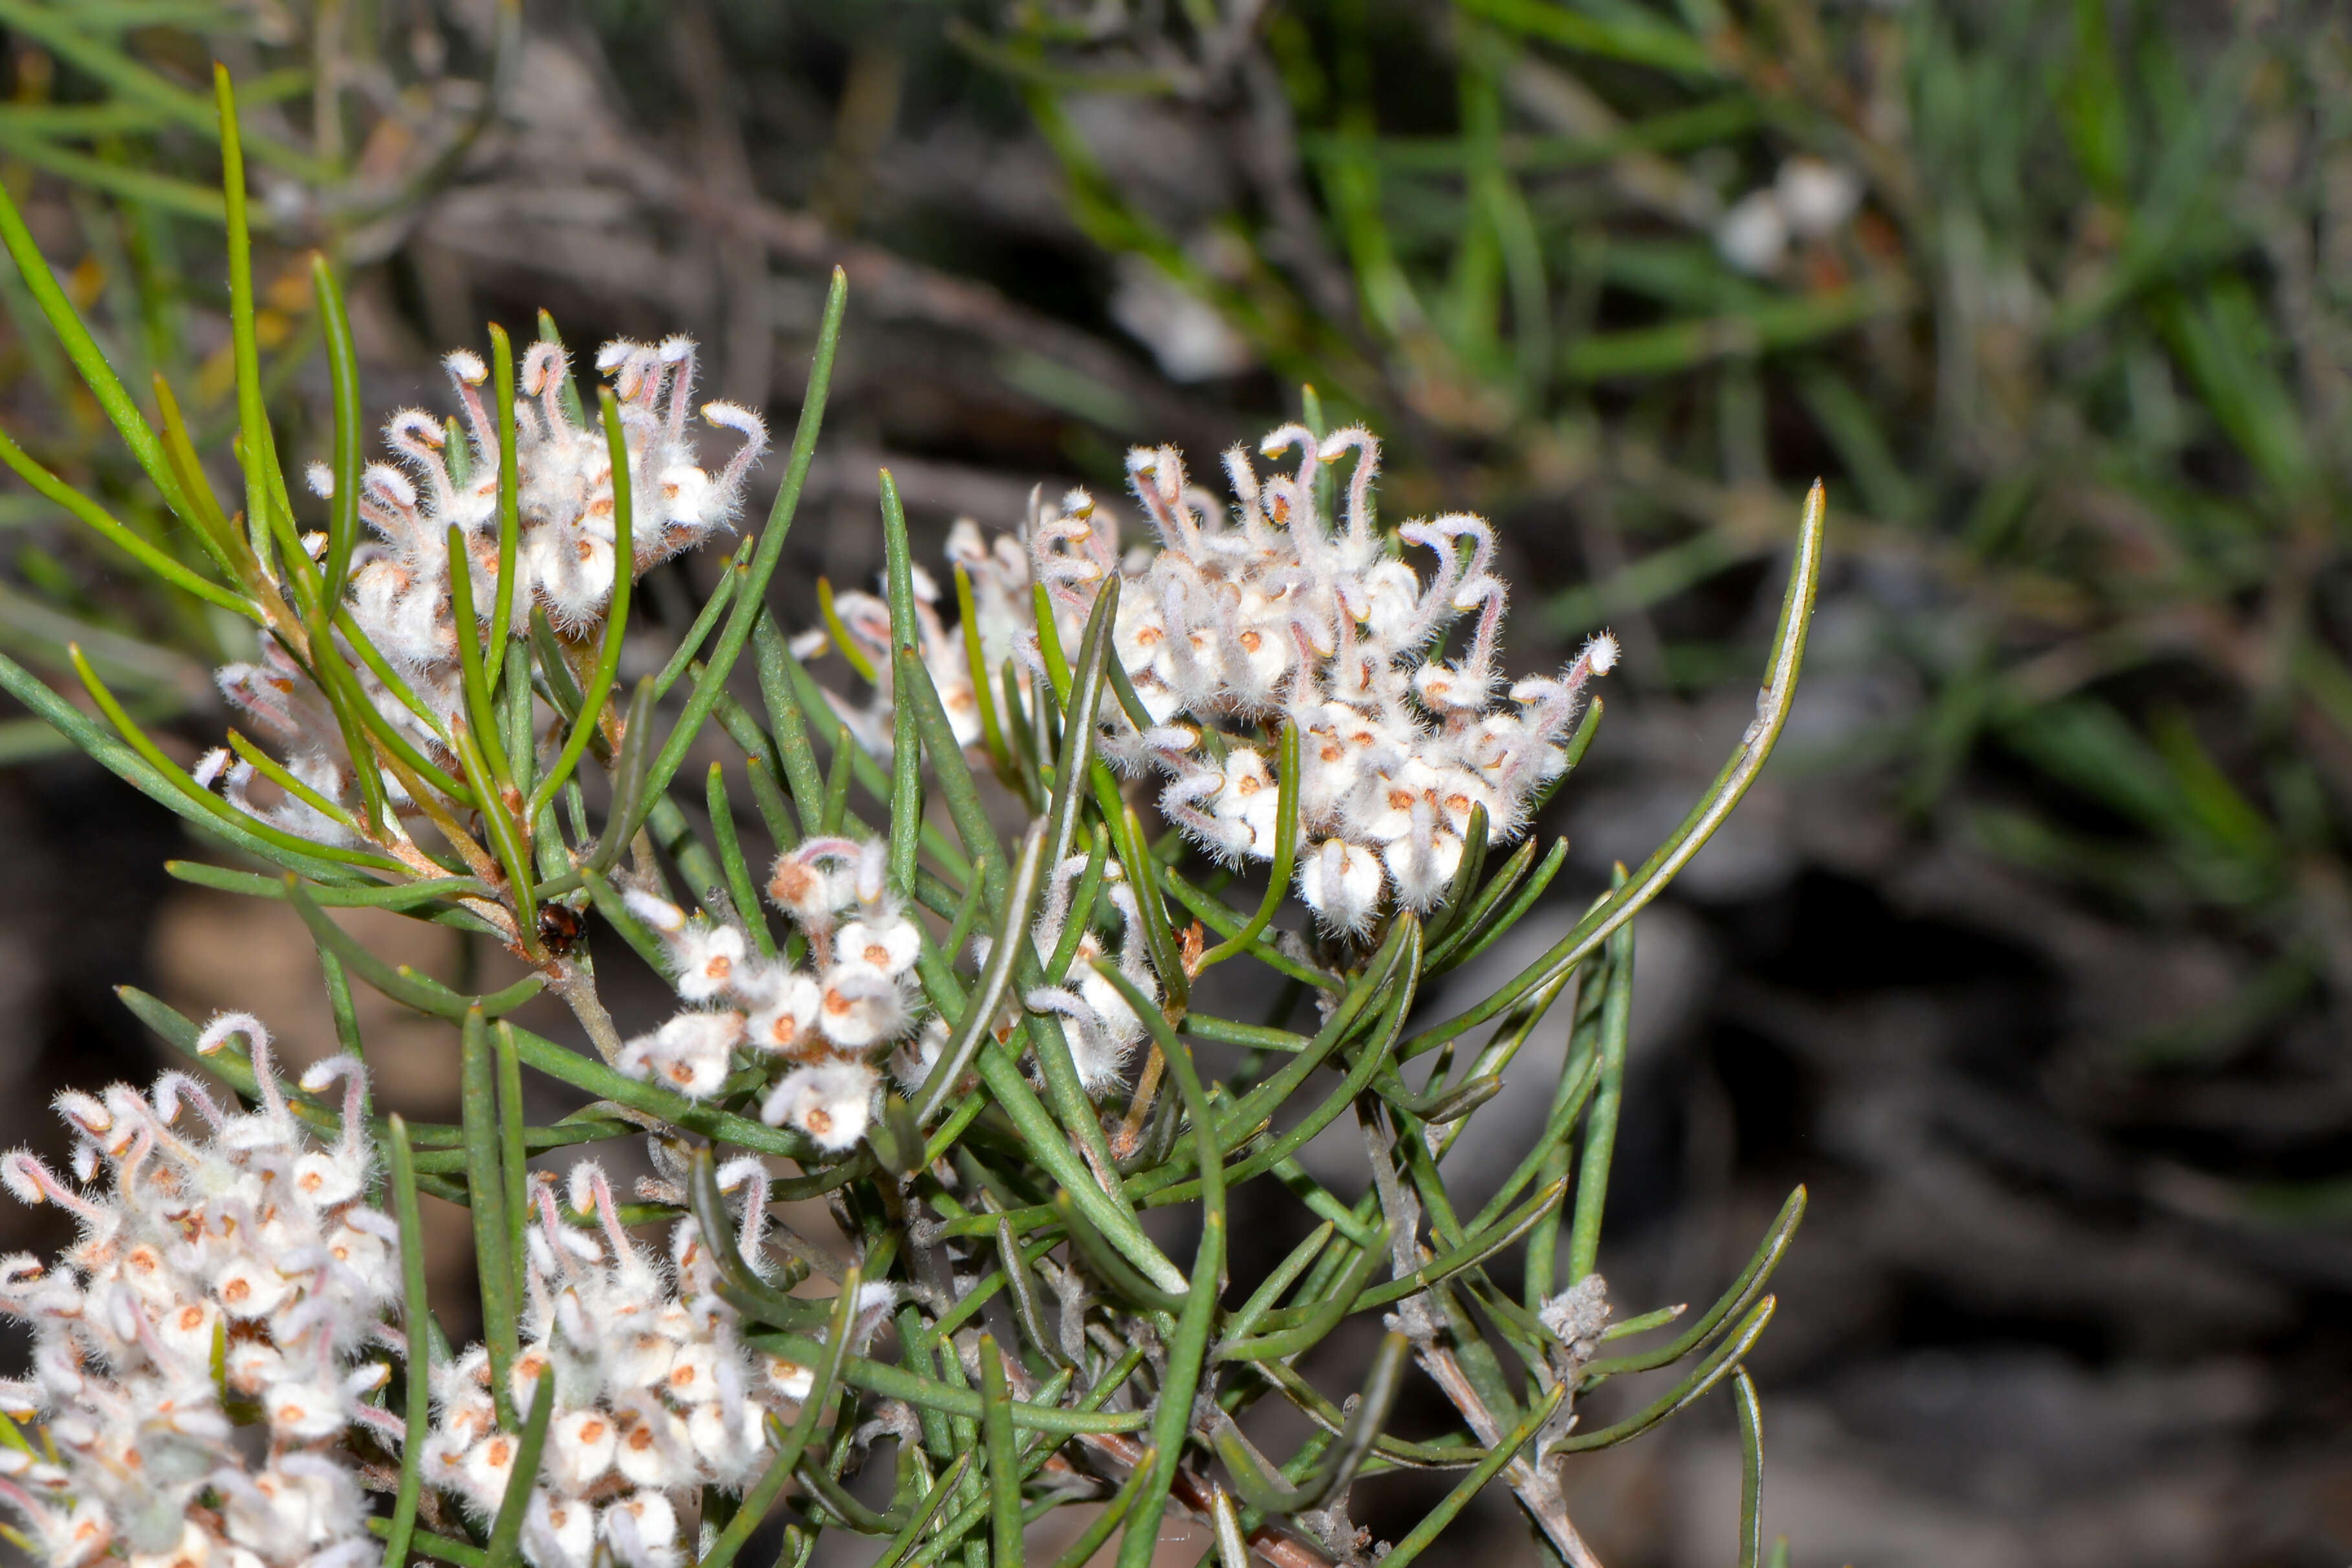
[1341,883]
[1816,197]
[814,882]
[580,1448]
[860,1008]
[788,1015]
[831,1101]
[885,946]
[642,1530]
[689,1054]
[1753,235]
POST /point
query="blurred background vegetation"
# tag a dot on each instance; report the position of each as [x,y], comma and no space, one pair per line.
[2032,952]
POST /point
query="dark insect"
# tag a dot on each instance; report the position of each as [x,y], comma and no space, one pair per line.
[561,930]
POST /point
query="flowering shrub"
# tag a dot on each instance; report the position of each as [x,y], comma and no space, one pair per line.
[982,1052]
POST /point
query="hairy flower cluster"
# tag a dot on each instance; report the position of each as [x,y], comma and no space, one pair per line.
[996,572]
[829,1020]
[1244,621]
[399,589]
[1106,1026]
[225,1273]
[655,1396]
[1328,629]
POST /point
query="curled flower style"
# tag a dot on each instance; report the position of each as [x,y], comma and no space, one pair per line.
[399,588]
[1266,614]
[655,1393]
[227,1272]
[827,1021]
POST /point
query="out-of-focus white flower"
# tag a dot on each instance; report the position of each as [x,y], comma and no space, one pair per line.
[1816,197]
[1753,233]
[1184,333]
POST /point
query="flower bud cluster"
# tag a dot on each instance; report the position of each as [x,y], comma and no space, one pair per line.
[399,588]
[227,1272]
[828,1021]
[1265,615]
[655,1396]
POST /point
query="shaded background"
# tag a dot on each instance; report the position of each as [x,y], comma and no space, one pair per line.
[2032,953]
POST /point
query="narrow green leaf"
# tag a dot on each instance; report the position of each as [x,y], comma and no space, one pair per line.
[980,1013]
[1773,705]
[502,387]
[1090,1540]
[409,1215]
[505,1548]
[1004,1463]
[343,379]
[162,565]
[1419,1538]
[616,617]
[1735,1298]
[1751,1468]
[90,360]
[1723,1359]
[1601,1127]
[751,597]
[1286,843]
[162,767]
[486,1184]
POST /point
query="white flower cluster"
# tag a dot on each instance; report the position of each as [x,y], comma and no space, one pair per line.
[1328,629]
[997,571]
[399,589]
[829,1020]
[655,1393]
[1238,624]
[225,1273]
[1108,1028]
[1808,200]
